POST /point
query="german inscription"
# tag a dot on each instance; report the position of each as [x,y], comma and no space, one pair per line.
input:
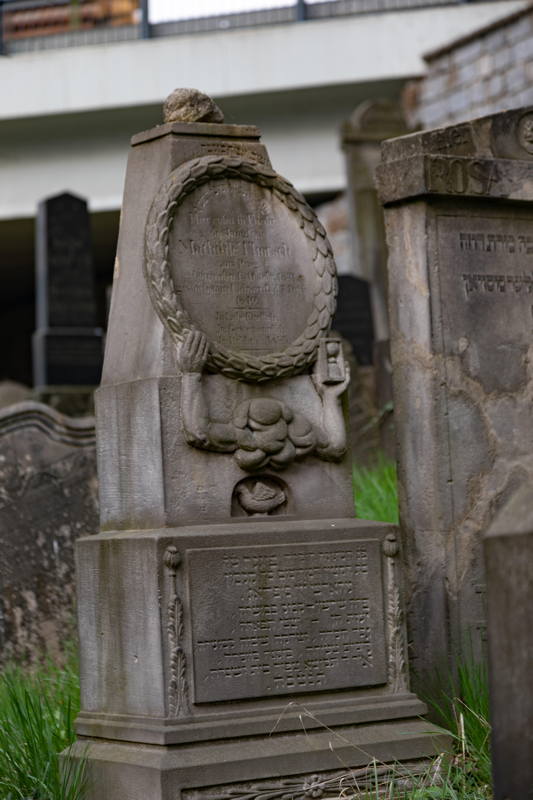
[241,266]
[283,619]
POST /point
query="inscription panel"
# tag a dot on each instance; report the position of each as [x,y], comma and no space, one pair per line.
[486,288]
[242,266]
[281,619]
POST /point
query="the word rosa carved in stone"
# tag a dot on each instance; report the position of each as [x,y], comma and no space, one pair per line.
[241,261]
[263,431]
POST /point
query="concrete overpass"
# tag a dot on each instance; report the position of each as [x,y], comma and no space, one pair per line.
[67,114]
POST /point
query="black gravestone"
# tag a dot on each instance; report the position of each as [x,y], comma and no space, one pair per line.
[353,318]
[67,345]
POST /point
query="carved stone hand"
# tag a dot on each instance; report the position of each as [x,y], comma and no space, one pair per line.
[193,352]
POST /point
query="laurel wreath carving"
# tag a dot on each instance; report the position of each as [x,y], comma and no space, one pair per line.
[181,183]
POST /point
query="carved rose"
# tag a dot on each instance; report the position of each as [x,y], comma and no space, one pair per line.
[313,786]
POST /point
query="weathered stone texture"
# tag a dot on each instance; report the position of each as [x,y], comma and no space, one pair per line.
[48,498]
[460,282]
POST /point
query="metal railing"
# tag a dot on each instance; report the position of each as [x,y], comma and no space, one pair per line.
[79,22]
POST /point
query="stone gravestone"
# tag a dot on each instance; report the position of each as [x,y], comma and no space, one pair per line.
[369,124]
[48,497]
[231,599]
[353,317]
[459,219]
[508,548]
[67,345]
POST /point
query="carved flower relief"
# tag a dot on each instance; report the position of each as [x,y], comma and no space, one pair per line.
[313,786]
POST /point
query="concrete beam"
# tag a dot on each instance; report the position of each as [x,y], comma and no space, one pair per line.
[275,58]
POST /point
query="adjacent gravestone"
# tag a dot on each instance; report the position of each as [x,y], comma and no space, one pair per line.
[48,497]
[362,134]
[459,216]
[230,594]
[67,345]
[508,547]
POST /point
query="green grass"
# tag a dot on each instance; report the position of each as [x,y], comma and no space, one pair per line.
[37,711]
[462,708]
[375,491]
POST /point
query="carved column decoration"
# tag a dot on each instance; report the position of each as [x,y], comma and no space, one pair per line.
[178,690]
[397,661]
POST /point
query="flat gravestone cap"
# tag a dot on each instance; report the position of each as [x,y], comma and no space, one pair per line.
[487,157]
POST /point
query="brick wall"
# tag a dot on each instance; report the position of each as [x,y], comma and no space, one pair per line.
[488,71]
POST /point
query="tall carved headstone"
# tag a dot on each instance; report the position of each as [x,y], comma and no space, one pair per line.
[48,498]
[459,213]
[369,124]
[508,547]
[67,345]
[230,590]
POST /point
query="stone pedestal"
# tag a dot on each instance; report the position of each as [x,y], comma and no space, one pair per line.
[234,617]
[225,653]
[458,208]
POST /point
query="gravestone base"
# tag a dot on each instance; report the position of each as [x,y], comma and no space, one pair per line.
[281,765]
[67,356]
[256,650]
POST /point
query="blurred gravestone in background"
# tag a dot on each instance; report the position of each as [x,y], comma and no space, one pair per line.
[48,497]
[353,323]
[67,345]
[362,134]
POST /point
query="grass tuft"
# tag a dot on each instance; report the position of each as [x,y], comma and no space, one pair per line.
[37,712]
[375,491]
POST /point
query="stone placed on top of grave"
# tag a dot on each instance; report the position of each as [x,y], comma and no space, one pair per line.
[231,594]
[458,207]
[67,344]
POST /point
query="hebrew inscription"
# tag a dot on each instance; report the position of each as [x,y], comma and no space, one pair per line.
[492,278]
[280,619]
